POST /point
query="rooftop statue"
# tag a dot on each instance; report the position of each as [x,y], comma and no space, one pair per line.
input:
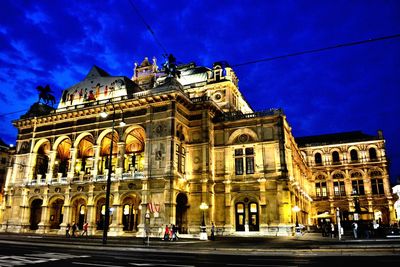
[45,95]
[170,67]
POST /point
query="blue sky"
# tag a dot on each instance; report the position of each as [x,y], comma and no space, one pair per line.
[352,88]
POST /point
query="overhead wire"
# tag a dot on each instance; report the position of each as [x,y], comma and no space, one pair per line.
[276,57]
[148,27]
[319,49]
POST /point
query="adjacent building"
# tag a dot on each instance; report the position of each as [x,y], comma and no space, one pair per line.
[176,138]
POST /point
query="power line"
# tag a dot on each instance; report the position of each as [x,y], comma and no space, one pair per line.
[148,27]
[14,112]
[319,50]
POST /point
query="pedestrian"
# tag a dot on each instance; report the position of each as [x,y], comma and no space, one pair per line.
[212,231]
[85,229]
[173,233]
[332,230]
[74,228]
[166,233]
[67,229]
[354,225]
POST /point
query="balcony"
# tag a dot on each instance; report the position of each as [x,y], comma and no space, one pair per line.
[134,175]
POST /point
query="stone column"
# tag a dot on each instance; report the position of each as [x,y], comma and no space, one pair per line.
[49,174]
[71,169]
[262,212]
[32,163]
[67,211]
[121,158]
[44,223]
[95,171]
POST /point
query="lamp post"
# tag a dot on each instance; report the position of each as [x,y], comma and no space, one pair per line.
[296,209]
[356,204]
[203,232]
[108,186]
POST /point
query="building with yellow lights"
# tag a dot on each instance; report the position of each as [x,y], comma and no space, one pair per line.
[176,143]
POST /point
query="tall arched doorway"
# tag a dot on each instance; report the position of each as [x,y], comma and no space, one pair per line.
[79,212]
[56,213]
[181,213]
[130,213]
[247,216]
[36,213]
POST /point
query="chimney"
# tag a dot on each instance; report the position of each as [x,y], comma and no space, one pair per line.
[380,134]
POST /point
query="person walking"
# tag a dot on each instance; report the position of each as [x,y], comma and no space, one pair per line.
[354,226]
[67,229]
[85,229]
[166,233]
[74,228]
[332,230]
[212,231]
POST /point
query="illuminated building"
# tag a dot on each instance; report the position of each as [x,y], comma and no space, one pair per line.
[188,140]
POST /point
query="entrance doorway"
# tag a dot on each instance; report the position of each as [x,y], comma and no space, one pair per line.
[247,216]
[56,214]
[36,213]
[181,213]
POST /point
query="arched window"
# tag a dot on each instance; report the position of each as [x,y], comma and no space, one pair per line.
[354,155]
[320,187]
[318,159]
[372,154]
[335,157]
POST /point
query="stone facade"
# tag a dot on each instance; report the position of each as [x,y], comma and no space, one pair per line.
[186,140]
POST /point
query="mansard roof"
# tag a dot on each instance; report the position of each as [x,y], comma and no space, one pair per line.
[335,138]
[97,85]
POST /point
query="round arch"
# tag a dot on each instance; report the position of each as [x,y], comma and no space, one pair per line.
[80,137]
[239,132]
[58,141]
[130,129]
[104,133]
[39,144]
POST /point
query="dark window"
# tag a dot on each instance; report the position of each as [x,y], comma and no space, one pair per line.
[335,157]
[318,158]
[377,186]
[372,153]
[354,155]
[358,185]
[248,158]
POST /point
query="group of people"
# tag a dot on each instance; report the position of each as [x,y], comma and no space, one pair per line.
[73,230]
[328,229]
[171,233]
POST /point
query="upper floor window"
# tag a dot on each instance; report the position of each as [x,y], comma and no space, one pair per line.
[335,157]
[320,189]
[338,188]
[180,156]
[247,157]
[358,187]
[377,186]
[372,154]
[318,158]
[354,155]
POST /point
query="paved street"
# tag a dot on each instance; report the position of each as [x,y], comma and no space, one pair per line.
[308,250]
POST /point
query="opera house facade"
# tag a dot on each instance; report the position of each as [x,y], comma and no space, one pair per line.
[172,142]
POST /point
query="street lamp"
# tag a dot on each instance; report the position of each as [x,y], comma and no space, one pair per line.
[203,233]
[104,114]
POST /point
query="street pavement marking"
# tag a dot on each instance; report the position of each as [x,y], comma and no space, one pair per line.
[19,260]
[95,264]
[160,264]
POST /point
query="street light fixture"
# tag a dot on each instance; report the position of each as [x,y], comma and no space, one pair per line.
[296,209]
[104,114]
[203,233]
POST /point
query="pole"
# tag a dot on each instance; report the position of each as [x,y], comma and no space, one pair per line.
[339,227]
[108,188]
